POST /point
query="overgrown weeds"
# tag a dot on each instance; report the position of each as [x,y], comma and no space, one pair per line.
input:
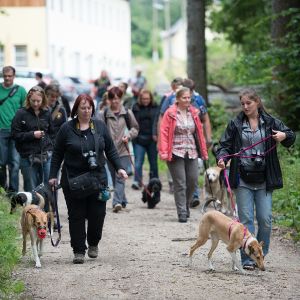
[9,250]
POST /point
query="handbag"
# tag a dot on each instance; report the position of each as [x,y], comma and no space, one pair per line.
[87,182]
[252,174]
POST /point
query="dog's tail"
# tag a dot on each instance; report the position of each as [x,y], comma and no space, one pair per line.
[41,199]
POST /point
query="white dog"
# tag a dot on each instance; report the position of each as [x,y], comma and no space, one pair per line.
[214,187]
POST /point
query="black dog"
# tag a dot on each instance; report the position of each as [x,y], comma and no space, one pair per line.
[151,193]
[41,196]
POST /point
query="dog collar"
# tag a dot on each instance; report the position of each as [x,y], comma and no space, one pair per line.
[246,242]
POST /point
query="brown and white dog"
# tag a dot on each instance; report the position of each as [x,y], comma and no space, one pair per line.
[214,187]
[233,234]
[34,223]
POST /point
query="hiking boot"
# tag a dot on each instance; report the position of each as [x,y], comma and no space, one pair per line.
[78,258]
[93,251]
[117,208]
[182,219]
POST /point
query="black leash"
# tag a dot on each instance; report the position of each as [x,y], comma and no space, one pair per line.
[54,194]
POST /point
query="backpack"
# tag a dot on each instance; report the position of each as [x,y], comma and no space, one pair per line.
[126,117]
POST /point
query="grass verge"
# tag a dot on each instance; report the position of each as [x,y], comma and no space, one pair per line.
[9,250]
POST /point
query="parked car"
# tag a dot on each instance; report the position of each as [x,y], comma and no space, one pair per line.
[71,86]
[26,77]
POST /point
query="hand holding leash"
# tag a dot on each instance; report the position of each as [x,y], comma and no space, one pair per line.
[221,164]
[53,182]
[125,139]
[279,136]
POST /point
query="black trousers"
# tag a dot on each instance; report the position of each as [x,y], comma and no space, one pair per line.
[82,209]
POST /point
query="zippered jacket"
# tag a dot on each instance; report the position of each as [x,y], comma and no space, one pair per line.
[23,126]
[231,142]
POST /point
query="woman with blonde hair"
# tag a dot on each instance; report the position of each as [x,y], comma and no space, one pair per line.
[181,143]
[32,129]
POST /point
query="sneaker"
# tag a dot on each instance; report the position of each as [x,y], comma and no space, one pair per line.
[93,251]
[78,258]
[135,186]
[117,208]
[195,202]
[124,205]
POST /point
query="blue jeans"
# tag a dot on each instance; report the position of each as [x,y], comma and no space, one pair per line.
[34,174]
[10,157]
[139,156]
[248,199]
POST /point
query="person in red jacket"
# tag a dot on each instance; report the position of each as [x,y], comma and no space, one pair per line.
[181,143]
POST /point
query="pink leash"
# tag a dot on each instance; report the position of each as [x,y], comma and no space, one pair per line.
[229,190]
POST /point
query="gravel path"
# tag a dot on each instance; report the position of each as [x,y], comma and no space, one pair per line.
[143,255]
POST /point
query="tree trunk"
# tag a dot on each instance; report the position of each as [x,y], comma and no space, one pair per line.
[196,48]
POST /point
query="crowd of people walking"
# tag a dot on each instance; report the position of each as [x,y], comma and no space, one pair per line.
[92,145]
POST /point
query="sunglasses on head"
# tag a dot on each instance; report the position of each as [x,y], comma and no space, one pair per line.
[36,89]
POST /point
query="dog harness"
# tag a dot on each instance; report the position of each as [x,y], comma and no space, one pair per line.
[230,228]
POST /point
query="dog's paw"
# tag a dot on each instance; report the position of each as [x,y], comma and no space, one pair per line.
[210,266]
[38,265]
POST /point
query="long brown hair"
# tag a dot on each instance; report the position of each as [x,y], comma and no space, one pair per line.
[252,95]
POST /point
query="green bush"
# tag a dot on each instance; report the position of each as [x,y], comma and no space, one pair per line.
[9,250]
[286,201]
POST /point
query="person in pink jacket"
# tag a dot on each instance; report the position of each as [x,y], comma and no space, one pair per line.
[181,143]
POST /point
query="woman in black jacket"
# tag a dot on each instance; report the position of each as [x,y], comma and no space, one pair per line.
[32,129]
[254,178]
[145,112]
[81,143]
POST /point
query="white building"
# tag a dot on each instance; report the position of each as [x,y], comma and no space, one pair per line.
[68,37]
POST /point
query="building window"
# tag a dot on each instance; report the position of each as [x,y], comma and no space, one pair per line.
[1,56]
[21,59]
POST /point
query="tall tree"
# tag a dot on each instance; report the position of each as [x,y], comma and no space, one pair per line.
[196,48]
[286,38]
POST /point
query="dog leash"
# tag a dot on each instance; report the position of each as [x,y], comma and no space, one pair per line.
[132,163]
[57,219]
[238,154]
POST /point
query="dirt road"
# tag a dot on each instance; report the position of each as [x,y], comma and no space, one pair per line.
[143,255]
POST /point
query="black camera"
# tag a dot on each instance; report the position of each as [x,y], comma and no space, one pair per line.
[91,158]
[258,159]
